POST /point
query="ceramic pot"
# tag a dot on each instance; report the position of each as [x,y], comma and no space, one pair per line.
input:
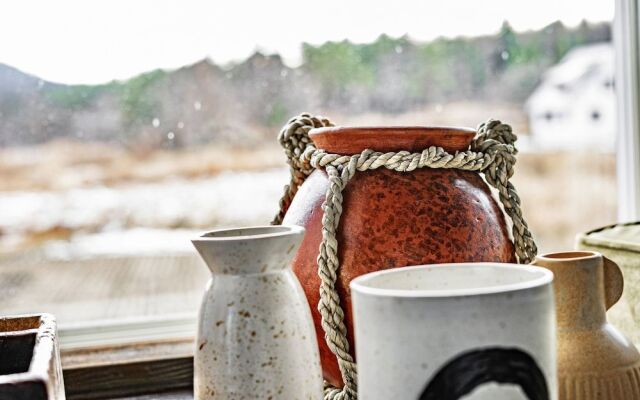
[30,366]
[595,361]
[255,335]
[620,243]
[453,331]
[392,219]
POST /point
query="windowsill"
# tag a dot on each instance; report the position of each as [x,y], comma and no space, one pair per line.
[170,395]
[128,358]
[132,341]
[116,380]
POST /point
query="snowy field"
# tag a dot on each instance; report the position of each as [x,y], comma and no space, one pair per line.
[143,218]
[562,194]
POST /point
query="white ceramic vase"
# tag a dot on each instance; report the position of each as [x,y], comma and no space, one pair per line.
[256,339]
[456,331]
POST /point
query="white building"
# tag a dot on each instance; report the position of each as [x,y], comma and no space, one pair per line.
[574,105]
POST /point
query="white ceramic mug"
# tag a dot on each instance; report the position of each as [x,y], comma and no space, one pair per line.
[453,331]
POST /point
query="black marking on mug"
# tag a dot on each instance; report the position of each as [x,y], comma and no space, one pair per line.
[461,375]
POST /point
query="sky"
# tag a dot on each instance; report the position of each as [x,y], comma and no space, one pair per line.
[94,41]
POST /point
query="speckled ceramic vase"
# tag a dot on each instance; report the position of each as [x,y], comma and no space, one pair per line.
[595,360]
[256,339]
[476,331]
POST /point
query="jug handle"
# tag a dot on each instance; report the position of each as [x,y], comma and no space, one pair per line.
[613,282]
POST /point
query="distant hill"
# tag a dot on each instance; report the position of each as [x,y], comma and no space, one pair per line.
[243,103]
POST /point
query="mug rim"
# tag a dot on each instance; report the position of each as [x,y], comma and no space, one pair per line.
[545,277]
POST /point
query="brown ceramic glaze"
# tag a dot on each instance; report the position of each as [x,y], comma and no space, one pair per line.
[392,219]
[595,361]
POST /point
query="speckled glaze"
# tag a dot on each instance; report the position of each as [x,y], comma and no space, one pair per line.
[595,360]
[255,337]
[478,331]
[392,219]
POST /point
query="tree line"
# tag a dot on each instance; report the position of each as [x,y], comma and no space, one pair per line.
[242,103]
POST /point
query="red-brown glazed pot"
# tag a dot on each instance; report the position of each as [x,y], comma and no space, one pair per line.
[393,219]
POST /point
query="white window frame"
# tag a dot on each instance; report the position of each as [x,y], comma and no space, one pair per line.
[626,40]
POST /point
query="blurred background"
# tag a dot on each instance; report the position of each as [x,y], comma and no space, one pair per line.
[126,129]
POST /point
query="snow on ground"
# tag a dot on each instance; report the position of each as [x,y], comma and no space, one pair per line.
[142,217]
[136,242]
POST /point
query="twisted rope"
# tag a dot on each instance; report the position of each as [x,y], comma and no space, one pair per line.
[492,153]
[294,139]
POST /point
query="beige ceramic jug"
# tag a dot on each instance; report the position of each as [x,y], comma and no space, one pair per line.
[595,360]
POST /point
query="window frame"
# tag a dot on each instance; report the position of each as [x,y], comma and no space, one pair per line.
[626,39]
[128,358]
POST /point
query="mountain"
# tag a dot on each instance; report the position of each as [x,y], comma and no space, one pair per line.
[243,103]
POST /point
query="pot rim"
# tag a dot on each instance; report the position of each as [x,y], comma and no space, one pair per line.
[391,128]
[545,277]
[354,139]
